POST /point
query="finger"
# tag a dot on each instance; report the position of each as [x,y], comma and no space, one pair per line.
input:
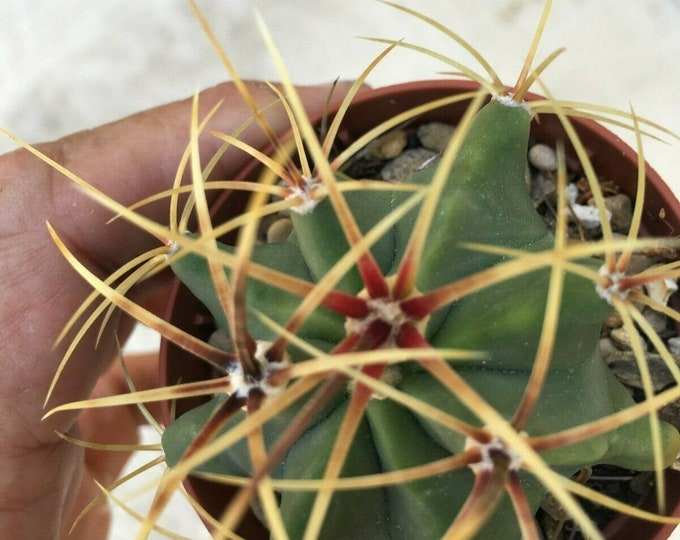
[118,425]
[136,157]
[114,426]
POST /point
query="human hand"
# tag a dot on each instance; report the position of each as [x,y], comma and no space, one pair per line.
[45,481]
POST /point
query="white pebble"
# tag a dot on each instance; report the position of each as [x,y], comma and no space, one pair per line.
[435,135]
[674,345]
[279,231]
[543,157]
[588,216]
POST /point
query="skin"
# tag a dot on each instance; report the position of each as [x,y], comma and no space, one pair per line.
[46,481]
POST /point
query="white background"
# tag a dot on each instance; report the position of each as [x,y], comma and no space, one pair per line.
[73,64]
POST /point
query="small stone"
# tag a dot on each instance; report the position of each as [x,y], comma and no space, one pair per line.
[642,482]
[265,223]
[607,349]
[621,209]
[543,188]
[658,321]
[637,262]
[387,146]
[572,193]
[661,290]
[621,339]
[402,167]
[673,345]
[279,230]
[435,135]
[624,366]
[543,157]
[587,216]
[614,320]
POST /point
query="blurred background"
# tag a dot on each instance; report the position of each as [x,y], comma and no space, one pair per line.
[69,65]
[73,64]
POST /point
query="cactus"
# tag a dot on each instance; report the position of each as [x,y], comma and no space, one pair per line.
[442,295]
[416,360]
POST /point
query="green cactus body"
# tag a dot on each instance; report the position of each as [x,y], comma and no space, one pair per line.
[484,201]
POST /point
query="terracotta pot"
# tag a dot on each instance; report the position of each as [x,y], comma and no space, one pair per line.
[612,159]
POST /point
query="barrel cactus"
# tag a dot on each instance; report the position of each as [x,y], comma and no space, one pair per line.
[458,268]
[476,319]
[415,360]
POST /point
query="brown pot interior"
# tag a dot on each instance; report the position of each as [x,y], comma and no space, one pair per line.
[612,159]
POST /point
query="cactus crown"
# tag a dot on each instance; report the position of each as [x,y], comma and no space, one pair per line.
[405,363]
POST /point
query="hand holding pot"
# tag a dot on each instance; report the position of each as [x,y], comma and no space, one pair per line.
[45,480]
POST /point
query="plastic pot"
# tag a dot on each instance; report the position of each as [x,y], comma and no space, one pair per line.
[613,160]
